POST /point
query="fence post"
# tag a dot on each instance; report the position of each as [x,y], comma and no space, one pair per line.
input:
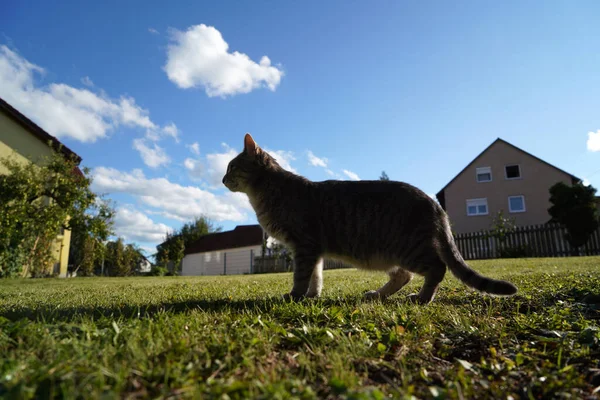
[251,261]
[224,263]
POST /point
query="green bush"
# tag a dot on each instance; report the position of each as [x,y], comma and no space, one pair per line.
[158,271]
[521,251]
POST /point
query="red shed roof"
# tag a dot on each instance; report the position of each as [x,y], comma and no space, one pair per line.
[241,236]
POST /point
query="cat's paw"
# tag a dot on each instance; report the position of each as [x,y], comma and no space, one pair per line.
[292,297]
[313,295]
[372,295]
[416,299]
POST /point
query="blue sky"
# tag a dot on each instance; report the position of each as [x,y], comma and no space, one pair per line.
[156,98]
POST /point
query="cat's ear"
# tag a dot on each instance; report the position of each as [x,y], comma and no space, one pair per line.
[250,145]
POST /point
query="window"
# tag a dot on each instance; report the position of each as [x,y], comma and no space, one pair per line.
[484,174]
[516,204]
[477,207]
[512,172]
[207,257]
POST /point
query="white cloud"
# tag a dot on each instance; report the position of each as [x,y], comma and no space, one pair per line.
[87,81]
[62,110]
[171,130]
[194,148]
[593,142]
[586,182]
[168,130]
[133,115]
[212,168]
[190,164]
[316,161]
[153,31]
[133,225]
[167,215]
[195,168]
[351,175]
[154,156]
[148,250]
[200,57]
[183,202]
[283,158]
[330,172]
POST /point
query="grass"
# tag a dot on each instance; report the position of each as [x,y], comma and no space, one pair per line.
[231,337]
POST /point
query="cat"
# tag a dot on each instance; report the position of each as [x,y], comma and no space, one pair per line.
[378,225]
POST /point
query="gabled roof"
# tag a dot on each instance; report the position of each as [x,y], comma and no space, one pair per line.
[36,130]
[241,236]
[440,193]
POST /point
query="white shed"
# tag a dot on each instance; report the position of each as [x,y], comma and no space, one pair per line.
[224,253]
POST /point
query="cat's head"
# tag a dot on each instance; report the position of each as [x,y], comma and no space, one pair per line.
[247,166]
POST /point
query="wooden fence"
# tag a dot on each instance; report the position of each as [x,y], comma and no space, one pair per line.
[526,241]
[269,264]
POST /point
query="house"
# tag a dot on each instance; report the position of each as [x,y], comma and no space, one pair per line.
[224,253]
[502,177]
[144,266]
[23,140]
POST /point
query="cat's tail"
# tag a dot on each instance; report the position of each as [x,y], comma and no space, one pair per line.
[451,256]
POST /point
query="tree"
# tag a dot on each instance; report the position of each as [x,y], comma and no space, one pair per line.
[194,230]
[279,250]
[117,259]
[171,251]
[135,256]
[501,227]
[123,259]
[88,237]
[574,207]
[384,176]
[36,202]
[132,259]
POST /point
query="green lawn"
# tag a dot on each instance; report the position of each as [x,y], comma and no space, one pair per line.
[231,337]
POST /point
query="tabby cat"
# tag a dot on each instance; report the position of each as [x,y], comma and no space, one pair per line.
[379,225]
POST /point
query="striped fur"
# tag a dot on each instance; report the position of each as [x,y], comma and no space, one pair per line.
[378,225]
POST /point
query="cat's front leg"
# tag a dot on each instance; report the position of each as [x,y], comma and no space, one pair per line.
[305,263]
[316,280]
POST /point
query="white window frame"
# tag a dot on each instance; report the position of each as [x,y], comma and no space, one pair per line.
[512,165]
[516,211]
[477,203]
[483,170]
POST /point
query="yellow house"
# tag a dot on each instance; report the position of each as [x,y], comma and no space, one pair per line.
[23,140]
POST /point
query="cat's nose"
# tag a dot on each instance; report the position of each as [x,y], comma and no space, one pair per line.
[223,180]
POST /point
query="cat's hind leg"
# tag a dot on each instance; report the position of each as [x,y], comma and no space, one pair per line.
[433,276]
[398,279]
[316,281]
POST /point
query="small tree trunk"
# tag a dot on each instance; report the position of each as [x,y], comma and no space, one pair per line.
[30,258]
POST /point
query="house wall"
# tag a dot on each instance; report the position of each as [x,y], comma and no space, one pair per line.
[229,262]
[536,179]
[18,143]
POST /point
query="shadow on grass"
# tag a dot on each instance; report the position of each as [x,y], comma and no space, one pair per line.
[263,305]
[518,303]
